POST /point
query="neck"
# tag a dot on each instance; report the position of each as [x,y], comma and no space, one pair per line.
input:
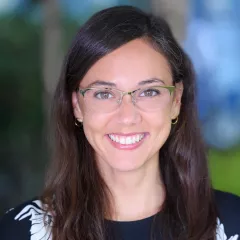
[136,194]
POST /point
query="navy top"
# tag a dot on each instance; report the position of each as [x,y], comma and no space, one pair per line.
[25,222]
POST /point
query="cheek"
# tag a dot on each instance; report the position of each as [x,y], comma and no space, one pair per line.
[164,130]
[163,116]
[94,125]
[162,126]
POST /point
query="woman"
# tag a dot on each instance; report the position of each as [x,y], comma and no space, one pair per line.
[129,162]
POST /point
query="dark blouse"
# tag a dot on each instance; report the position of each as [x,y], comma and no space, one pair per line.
[25,222]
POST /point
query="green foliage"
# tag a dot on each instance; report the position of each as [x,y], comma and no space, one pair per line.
[23,138]
[21,103]
[20,78]
[69,28]
[225,169]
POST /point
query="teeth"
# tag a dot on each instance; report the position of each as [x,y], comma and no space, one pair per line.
[126,140]
[122,140]
[129,140]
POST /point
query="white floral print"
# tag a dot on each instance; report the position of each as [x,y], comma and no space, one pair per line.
[39,231]
[221,233]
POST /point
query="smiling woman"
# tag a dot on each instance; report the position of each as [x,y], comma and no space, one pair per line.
[129,162]
[143,108]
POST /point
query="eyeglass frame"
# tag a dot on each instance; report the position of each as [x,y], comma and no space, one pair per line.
[123,93]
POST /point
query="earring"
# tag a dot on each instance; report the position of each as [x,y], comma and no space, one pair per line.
[175,121]
[77,122]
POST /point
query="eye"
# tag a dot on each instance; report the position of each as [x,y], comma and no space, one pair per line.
[151,92]
[103,95]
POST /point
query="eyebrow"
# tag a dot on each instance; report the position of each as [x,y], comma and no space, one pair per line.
[151,80]
[111,84]
[102,83]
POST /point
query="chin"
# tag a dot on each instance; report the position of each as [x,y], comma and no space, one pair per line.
[126,165]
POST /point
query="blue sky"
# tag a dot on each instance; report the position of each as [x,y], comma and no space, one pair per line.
[8,5]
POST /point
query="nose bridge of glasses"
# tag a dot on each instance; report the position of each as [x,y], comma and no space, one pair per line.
[131,93]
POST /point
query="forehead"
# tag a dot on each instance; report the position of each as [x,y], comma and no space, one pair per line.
[128,65]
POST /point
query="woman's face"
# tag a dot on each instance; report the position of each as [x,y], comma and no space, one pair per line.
[128,138]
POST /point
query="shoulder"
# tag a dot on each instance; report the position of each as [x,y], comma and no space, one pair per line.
[228,207]
[28,221]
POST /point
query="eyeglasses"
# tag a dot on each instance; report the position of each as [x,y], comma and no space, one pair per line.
[109,99]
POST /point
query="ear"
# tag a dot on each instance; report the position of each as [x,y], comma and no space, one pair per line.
[77,111]
[176,105]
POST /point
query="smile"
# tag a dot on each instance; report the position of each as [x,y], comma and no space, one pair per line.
[126,140]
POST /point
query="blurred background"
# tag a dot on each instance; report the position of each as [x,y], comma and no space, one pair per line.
[34,37]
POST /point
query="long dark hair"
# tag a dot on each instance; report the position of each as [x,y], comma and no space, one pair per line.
[75,191]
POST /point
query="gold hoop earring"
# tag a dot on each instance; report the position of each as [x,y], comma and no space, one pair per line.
[77,121]
[175,121]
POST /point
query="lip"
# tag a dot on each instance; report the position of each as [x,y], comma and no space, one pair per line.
[127,134]
[127,146]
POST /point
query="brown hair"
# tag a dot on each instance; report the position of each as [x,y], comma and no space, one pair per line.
[75,191]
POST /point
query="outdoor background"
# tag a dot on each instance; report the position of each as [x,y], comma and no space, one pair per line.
[34,37]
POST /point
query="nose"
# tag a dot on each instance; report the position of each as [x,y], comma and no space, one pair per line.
[128,114]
